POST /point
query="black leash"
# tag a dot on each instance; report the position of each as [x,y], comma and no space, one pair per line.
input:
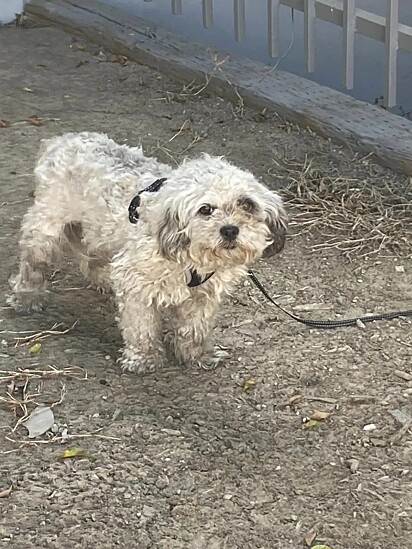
[327,324]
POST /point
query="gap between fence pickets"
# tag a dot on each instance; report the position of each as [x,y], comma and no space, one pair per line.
[359,125]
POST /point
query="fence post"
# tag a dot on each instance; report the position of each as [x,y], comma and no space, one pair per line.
[273,27]
[207,13]
[309,24]
[391,50]
[177,7]
[349,26]
[239,19]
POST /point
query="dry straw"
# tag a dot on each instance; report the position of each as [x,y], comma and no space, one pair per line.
[356,216]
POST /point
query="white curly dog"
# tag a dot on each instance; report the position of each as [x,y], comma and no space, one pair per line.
[192,241]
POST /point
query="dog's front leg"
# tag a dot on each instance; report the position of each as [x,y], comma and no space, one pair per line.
[192,326]
[141,328]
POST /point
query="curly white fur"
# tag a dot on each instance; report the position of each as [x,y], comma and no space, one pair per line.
[85,183]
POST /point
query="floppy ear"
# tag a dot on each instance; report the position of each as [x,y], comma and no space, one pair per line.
[171,236]
[276,220]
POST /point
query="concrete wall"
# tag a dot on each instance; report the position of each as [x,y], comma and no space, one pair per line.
[9,8]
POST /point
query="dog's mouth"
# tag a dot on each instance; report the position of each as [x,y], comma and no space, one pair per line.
[229,245]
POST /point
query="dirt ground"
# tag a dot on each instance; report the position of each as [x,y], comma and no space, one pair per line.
[194,459]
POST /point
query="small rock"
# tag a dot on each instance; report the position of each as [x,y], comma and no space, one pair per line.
[162,482]
[369,427]
[353,465]
[399,268]
[172,432]
[148,511]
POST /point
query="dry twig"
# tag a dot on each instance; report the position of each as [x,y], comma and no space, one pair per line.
[33,336]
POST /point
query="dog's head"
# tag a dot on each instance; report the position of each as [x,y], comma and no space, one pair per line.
[211,214]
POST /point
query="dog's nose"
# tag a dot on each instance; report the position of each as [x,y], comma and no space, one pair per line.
[229,232]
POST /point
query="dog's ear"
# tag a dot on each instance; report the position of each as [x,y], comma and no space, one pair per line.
[277,221]
[171,236]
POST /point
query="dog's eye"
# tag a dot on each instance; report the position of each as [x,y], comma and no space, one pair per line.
[206,209]
[247,204]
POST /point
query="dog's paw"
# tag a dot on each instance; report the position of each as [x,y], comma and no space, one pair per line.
[27,302]
[212,359]
[133,361]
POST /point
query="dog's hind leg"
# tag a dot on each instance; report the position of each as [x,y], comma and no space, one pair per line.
[40,240]
[93,264]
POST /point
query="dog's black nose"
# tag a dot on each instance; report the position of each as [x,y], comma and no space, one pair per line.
[229,232]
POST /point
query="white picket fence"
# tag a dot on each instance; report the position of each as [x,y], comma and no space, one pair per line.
[343,13]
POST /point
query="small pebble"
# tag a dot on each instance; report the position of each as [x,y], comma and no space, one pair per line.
[172,432]
[353,465]
[162,482]
[369,427]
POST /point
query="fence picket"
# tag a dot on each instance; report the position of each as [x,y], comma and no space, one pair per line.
[177,7]
[207,13]
[309,27]
[391,50]
[273,27]
[349,24]
[239,19]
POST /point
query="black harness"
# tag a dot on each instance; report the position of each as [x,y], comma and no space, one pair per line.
[195,279]
[135,203]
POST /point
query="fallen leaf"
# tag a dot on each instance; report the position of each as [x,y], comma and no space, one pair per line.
[318,415]
[28,90]
[5,123]
[35,349]
[39,421]
[248,384]
[80,63]
[75,452]
[34,120]
[290,402]
[78,47]
[6,493]
[261,116]
[121,59]
[320,547]
[323,399]
[401,416]
[311,423]
[310,537]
